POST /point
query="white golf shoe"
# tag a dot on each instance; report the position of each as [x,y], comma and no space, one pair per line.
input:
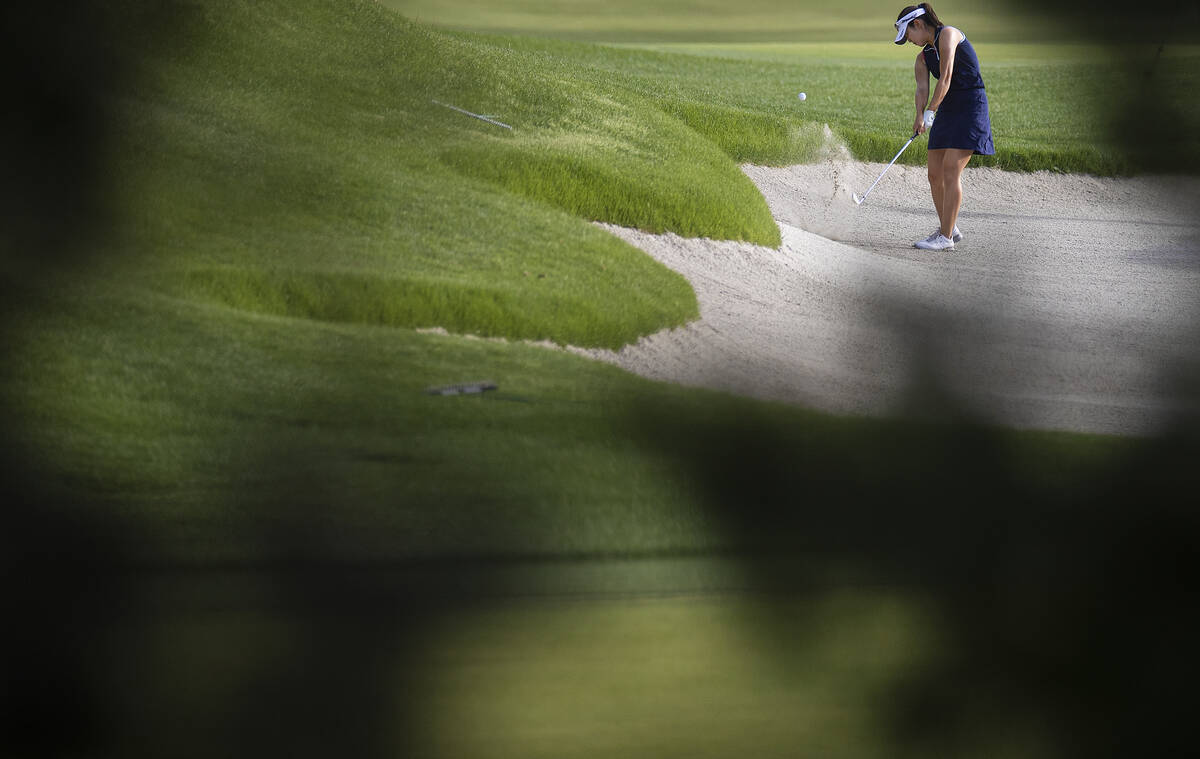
[955,236]
[937,242]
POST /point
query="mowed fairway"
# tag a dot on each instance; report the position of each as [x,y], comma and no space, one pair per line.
[252,528]
[685,20]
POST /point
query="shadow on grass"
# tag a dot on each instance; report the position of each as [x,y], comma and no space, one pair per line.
[1066,585]
[1152,119]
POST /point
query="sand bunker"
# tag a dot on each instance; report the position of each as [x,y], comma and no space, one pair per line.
[1071,304]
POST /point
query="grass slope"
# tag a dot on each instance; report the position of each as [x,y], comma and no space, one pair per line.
[290,160]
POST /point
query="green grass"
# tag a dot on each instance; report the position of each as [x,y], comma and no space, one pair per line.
[774,21]
[677,677]
[331,186]
[205,425]
[700,20]
[670,678]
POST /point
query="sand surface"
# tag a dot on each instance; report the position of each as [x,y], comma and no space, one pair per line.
[1072,304]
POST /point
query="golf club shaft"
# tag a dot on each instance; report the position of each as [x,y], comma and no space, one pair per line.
[872,187]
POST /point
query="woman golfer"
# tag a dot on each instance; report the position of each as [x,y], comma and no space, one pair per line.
[962,127]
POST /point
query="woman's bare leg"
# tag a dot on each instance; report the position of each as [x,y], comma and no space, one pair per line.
[953,162]
[936,182]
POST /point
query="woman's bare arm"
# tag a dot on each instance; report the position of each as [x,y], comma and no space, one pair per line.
[947,46]
[921,71]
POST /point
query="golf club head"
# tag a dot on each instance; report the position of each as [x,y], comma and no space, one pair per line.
[858,199]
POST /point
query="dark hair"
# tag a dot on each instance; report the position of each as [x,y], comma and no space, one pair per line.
[930,18]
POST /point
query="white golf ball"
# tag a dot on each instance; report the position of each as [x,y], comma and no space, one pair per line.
[802,96]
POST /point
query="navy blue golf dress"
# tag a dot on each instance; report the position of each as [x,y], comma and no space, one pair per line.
[962,120]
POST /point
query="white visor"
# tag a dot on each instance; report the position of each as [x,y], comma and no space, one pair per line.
[903,22]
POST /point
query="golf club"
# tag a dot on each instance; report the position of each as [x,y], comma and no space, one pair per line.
[859,200]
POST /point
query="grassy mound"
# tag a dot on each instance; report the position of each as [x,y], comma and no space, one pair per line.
[290,158]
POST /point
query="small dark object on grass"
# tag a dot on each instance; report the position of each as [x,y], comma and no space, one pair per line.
[463,389]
